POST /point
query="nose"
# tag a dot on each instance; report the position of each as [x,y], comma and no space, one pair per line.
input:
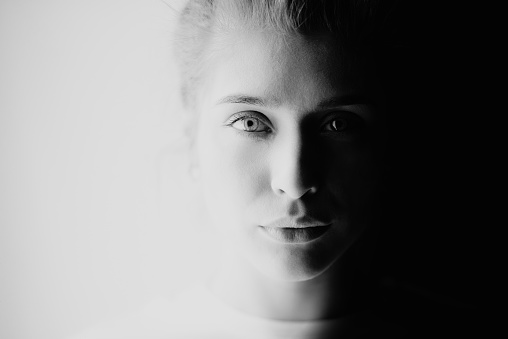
[293,167]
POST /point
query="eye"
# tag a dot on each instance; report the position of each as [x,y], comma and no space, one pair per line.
[343,122]
[248,122]
[338,125]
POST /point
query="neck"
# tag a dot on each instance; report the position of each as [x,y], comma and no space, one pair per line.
[332,294]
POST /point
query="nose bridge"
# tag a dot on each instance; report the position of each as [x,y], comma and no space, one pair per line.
[292,170]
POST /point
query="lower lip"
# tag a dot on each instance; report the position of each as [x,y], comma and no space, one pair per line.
[295,235]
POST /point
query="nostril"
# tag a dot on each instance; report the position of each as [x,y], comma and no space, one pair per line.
[296,193]
[312,190]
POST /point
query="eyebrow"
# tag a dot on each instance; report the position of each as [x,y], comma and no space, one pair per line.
[242,99]
[346,100]
[352,99]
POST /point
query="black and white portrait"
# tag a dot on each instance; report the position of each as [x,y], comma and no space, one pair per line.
[237,169]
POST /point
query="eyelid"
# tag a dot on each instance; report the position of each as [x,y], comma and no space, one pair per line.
[355,119]
[366,112]
[340,113]
[248,114]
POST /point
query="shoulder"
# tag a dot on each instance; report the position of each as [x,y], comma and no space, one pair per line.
[422,313]
[141,324]
[184,317]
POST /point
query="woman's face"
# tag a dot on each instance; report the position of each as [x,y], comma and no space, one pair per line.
[288,147]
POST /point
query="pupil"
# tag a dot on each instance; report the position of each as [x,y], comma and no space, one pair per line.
[249,123]
[338,125]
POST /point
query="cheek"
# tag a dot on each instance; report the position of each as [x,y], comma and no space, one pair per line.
[353,178]
[233,174]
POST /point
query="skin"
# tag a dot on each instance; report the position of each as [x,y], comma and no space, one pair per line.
[286,133]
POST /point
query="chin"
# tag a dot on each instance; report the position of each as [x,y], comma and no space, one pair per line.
[291,267]
[297,274]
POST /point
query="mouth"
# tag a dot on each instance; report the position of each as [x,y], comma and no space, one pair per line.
[301,222]
[295,235]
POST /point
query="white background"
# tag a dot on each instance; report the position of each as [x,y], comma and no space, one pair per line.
[97,212]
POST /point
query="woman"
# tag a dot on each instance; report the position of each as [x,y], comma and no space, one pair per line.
[288,141]
[287,117]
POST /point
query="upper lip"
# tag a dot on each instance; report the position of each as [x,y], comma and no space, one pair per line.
[301,222]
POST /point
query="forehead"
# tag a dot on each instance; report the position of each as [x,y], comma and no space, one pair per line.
[287,70]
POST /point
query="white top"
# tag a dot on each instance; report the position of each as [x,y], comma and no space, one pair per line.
[198,313]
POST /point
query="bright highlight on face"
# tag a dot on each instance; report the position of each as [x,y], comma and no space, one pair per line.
[288,150]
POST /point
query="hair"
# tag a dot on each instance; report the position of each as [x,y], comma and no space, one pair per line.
[356,25]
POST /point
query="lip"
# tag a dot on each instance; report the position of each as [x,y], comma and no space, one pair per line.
[296,231]
[294,235]
[302,222]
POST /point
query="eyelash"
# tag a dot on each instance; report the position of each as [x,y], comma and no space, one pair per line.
[351,121]
[242,116]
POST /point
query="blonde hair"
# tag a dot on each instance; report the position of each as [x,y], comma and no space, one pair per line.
[354,25]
